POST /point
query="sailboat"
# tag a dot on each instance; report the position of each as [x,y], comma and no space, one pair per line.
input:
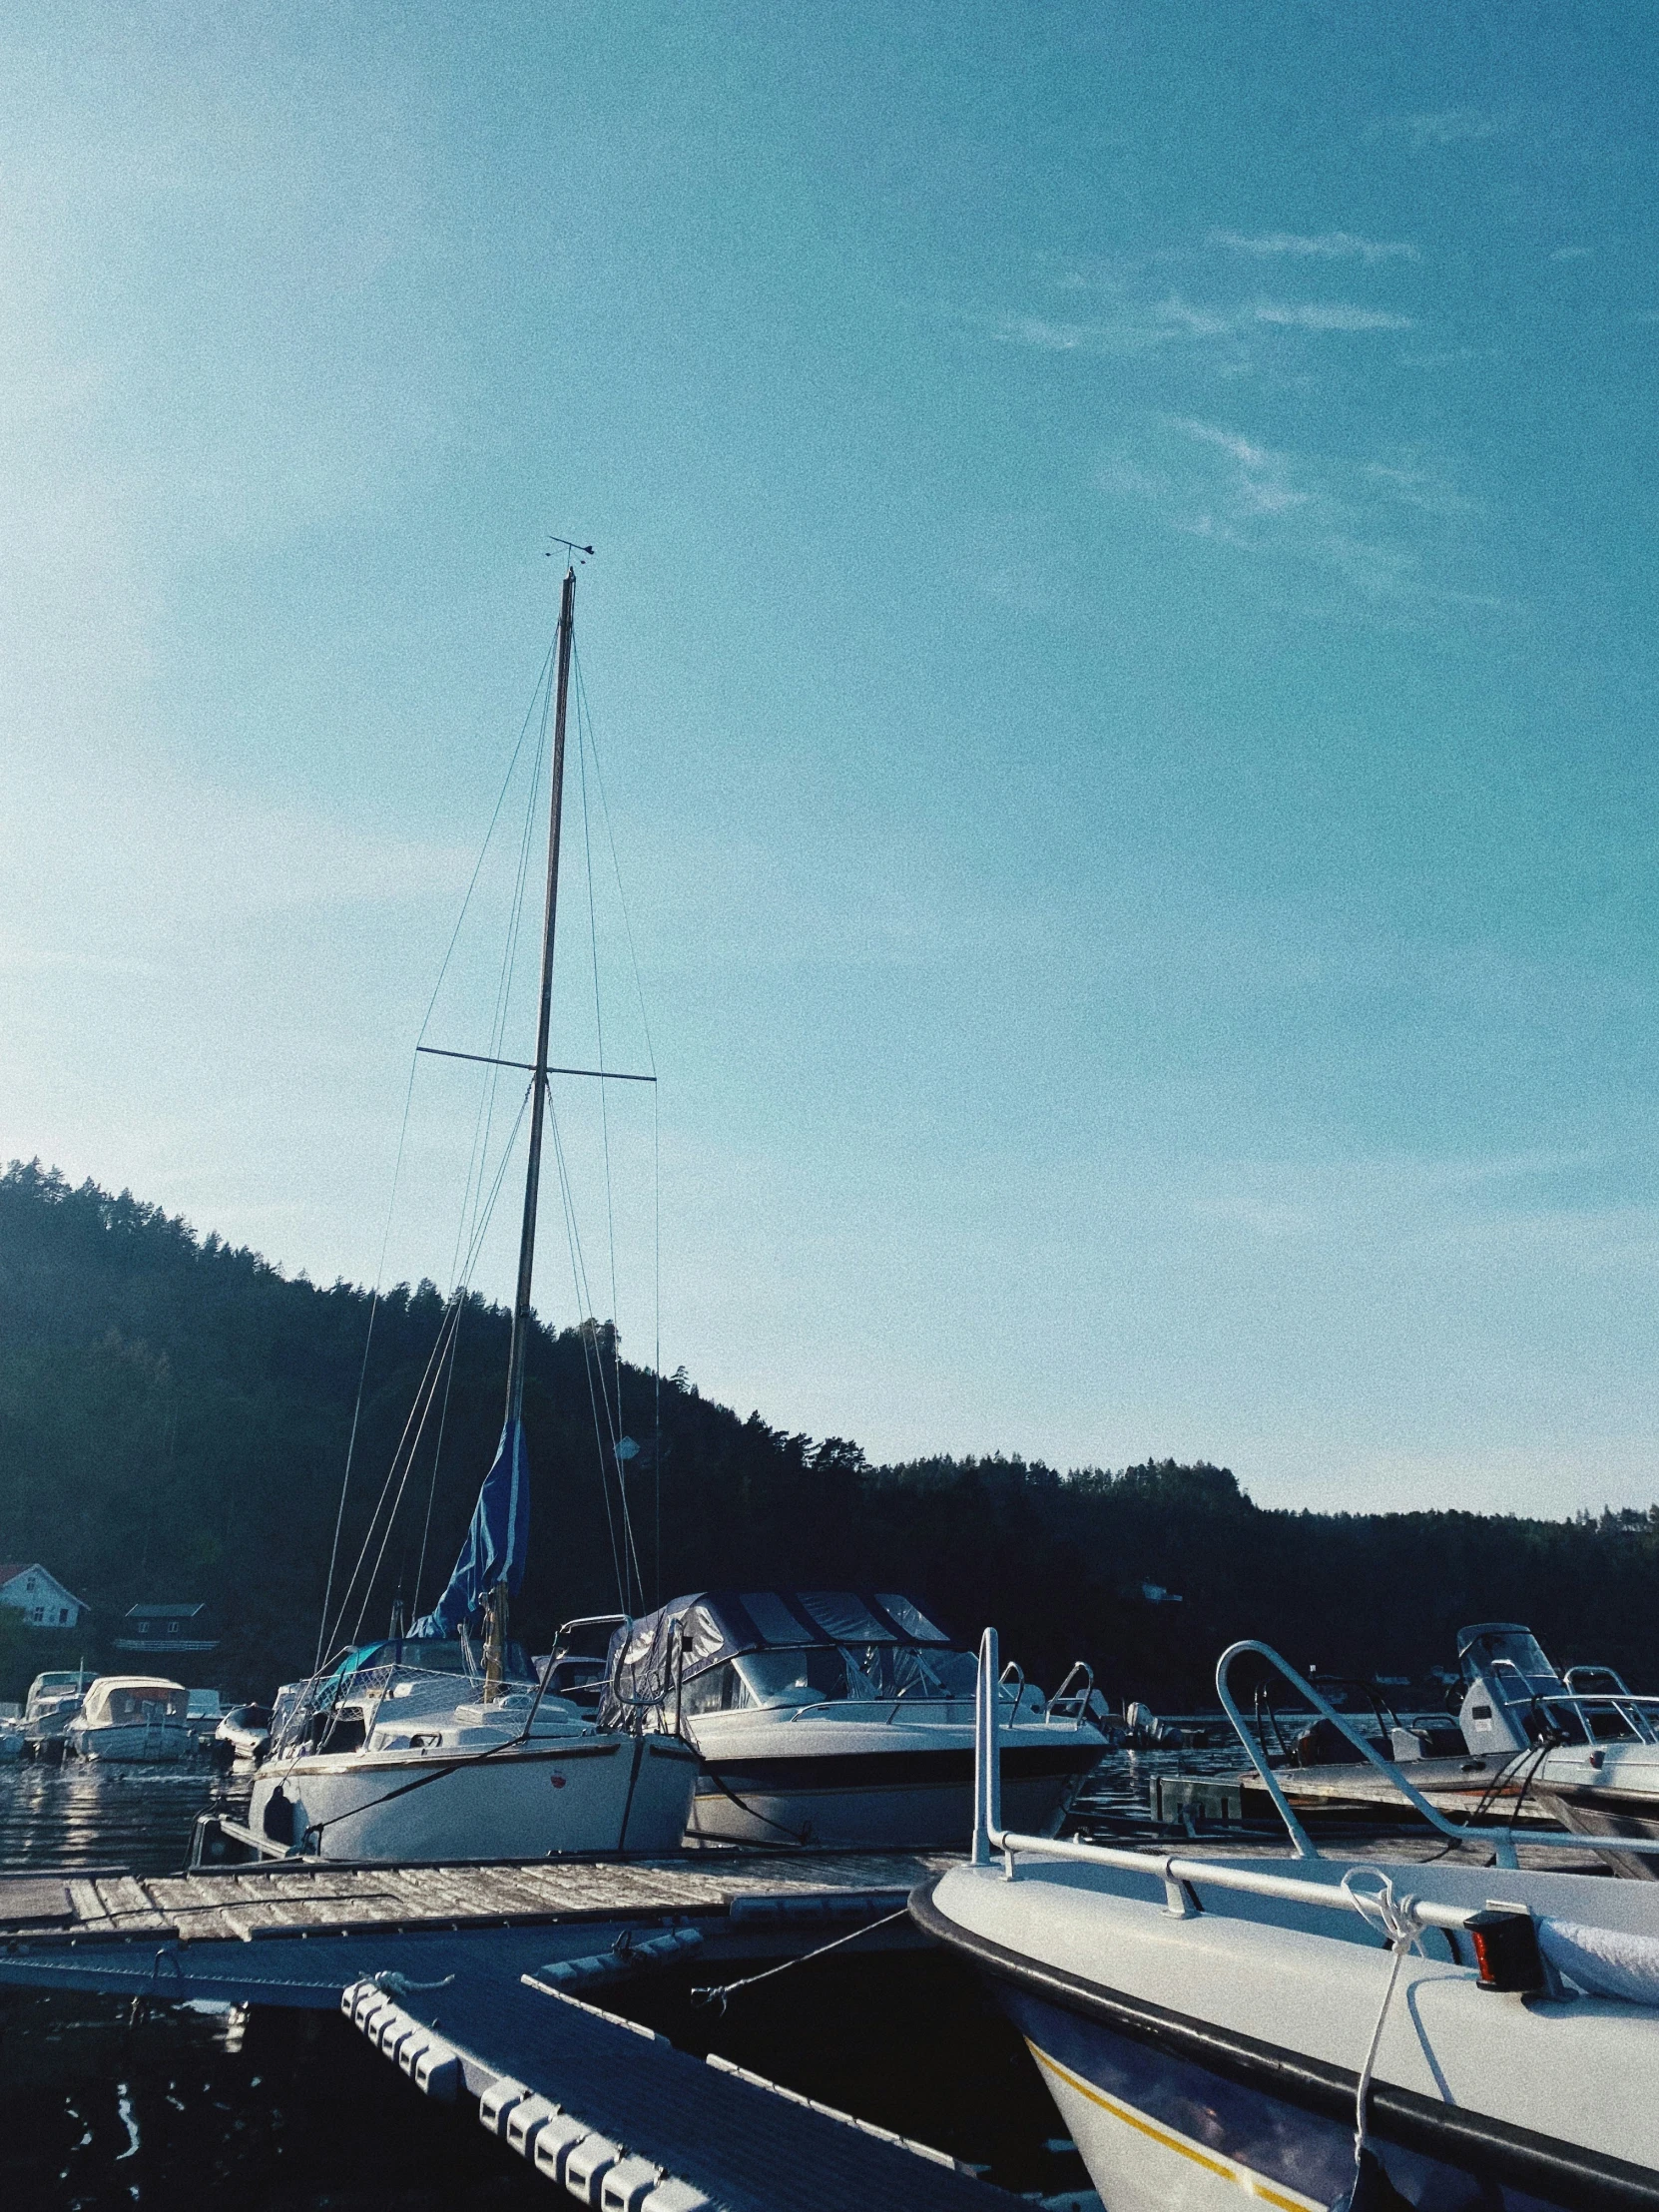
[441,1743]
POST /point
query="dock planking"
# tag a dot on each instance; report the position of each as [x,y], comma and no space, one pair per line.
[292,1897]
[467,1949]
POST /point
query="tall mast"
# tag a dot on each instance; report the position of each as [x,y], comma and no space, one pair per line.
[538,1095]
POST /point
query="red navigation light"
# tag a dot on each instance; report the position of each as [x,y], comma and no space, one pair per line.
[1506,1949]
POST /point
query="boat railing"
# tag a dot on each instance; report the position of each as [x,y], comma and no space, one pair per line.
[990,1838]
[1504,1956]
[1638,1716]
[1069,1704]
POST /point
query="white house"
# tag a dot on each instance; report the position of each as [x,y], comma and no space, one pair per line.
[41,1598]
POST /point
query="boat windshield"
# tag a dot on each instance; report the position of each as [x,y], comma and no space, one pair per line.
[1505,1650]
[824,1674]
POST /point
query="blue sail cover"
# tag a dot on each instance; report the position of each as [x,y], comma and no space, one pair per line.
[496,1542]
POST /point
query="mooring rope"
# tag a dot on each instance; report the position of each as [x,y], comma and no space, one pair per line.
[719,1992]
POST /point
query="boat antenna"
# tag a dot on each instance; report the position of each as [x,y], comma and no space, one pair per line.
[497,1633]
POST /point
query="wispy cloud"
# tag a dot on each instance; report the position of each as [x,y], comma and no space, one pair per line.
[1328,245]
[1138,326]
[1388,530]
[1572,254]
[1312,315]
[1442,126]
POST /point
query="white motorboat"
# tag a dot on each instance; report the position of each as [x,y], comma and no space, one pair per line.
[1582,1745]
[428,1747]
[139,1718]
[54,1700]
[838,1717]
[242,1735]
[1529,1745]
[1318,2031]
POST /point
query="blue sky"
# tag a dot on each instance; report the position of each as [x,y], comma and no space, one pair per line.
[1121,652]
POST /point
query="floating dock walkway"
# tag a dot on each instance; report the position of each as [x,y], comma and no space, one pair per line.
[489,1980]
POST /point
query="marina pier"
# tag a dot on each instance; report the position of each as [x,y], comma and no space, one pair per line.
[490,1982]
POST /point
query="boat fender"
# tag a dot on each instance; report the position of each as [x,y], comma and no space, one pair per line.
[674,2195]
[499,2100]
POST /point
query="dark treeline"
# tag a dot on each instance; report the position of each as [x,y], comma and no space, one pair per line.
[174,1421]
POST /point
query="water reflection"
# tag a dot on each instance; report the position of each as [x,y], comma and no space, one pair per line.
[82,1815]
[105,2104]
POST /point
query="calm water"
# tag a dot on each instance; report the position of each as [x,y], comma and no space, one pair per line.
[281,2111]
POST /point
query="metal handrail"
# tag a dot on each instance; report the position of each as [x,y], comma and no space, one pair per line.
[1179,1873]
[1502,1838]
[1065,1691]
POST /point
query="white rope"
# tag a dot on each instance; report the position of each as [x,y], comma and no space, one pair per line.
[1396,1920]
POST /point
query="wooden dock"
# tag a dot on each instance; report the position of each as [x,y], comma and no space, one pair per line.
[290,1897]
[490,1981]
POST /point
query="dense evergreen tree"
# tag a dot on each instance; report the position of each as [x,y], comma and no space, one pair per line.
[175,1415]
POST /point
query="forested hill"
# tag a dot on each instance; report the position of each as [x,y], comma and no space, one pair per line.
[175,1415]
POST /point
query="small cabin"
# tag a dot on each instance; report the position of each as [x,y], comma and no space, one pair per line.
[166,1628]
[41,1598]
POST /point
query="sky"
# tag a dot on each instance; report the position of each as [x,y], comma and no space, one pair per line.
[1120,655]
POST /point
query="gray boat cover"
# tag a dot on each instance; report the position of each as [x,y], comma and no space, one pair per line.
[649,1656]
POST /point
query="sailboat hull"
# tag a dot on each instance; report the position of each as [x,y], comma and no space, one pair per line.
[612,1793]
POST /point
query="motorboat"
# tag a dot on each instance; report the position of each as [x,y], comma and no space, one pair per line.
[838,1717]
[53,1701]
[241,1736]
[139,1718]
[1529,1744]
[1318,2031]
[1583,1744]
[439,1743]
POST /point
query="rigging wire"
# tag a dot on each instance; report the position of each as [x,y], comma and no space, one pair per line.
[438,1460]
[593,1360]
[578,1276]
[490,1089]
[397,1169]
[599,1028]
[424,1390]
[585,715]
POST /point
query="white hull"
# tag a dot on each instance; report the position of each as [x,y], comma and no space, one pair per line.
[588,1793]
[1194,2058]
[872,1785]
[133,1744]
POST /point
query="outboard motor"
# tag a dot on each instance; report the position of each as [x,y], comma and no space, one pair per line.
[1508,1675]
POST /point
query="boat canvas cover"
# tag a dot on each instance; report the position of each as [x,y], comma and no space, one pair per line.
[119,1700]
[496,1542]
[643,1664]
